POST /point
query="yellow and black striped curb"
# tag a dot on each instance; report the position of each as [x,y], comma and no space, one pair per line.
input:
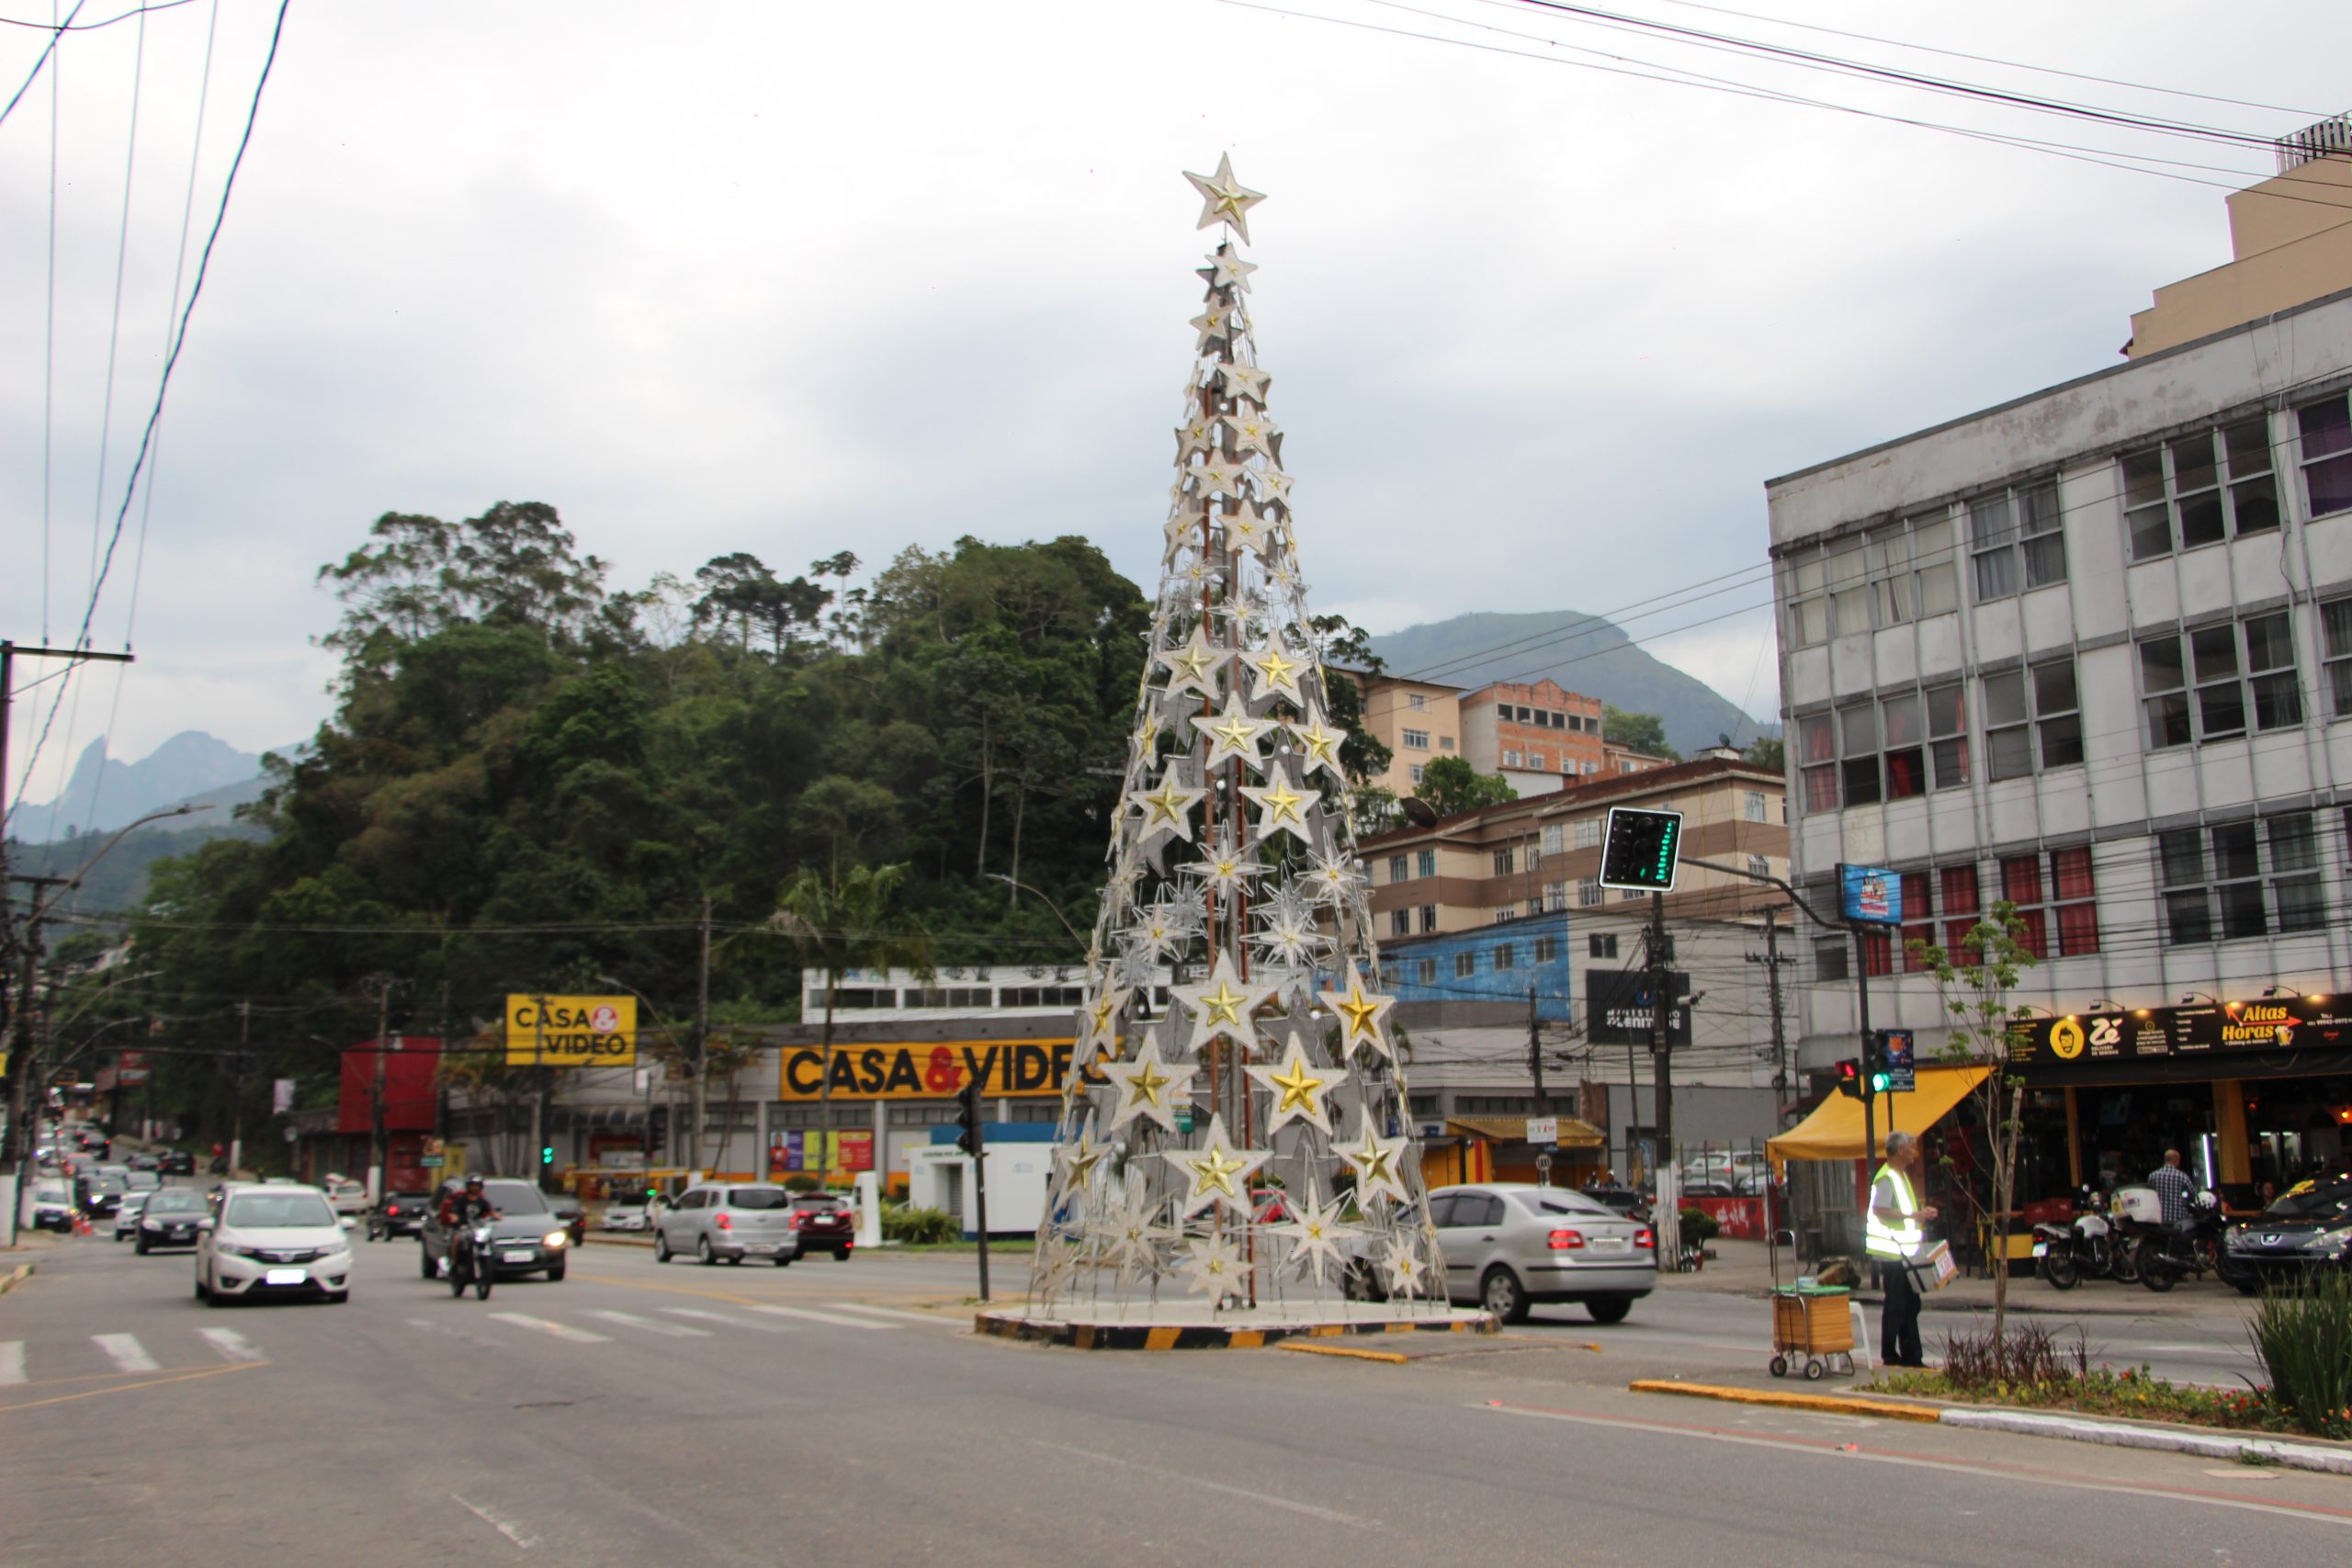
[15,1277]
[1830,1404]
[1203,1335]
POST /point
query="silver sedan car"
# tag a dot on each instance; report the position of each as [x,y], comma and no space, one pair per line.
[1508,1247]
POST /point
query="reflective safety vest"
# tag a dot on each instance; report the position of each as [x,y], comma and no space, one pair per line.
[1880,1239]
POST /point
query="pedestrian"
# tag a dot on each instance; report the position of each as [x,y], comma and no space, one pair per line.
[1892,1234]
[2173,1187]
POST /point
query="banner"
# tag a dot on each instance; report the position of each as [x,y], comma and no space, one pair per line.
[1869,894]
[817,1151]
[281,1096]
[1618,1010]
[570,1031]
[926,1070]
[2201,1038]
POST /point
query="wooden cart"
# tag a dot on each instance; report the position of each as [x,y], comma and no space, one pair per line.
[1812,1322]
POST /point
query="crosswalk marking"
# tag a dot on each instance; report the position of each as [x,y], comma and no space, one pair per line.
[561,1330]
[728,1319]
[232,1345]
[630,1320]
[893,1312]
[125,1351]
[832,1317]
[12,1361]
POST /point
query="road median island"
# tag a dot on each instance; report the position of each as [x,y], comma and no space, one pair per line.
[17,1276]
[1828,1403]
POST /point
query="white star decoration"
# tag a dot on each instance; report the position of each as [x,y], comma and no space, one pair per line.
[1378,1163]
[1193,665]
[1363,1018]
[1233,734]
[1274,670]
[1224,199]
[1301,1091]
[1283,803]
[1408,1275]
[1215,1268]
[1167,807]
[1129,1237]
[1216,1173]
[1147,1087]
[1314,1232]
[1227,270]
[1222,1006]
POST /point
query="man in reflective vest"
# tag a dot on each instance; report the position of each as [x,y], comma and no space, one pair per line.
[1892,1234]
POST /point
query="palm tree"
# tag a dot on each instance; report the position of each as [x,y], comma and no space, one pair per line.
[847,922]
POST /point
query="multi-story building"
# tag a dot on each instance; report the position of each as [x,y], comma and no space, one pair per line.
[1480,909]
[2090,652]
[1537,735]
[1616,759]
[1419,721]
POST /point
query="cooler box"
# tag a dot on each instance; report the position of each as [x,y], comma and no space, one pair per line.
[2139,1204]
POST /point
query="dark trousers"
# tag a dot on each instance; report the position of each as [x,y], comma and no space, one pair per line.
[1898,1319]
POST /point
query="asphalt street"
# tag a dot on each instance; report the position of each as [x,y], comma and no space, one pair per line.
[828,1412]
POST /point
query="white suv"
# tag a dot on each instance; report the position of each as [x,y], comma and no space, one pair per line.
[270,1241]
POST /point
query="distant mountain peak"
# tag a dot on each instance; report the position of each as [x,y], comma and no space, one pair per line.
[105,793]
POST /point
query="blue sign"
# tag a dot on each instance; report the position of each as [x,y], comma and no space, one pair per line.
[1869,894]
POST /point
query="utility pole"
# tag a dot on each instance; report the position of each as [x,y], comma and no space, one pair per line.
[1668,1220]
[237,1087]
[378,1178]
[1772,961]
[1535,1056]
[702,1044]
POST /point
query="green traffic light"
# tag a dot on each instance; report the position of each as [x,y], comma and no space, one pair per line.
[1881,1082]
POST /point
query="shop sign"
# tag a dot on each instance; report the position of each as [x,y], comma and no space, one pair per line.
[570,1031]
[925,1070]
[2198,1032]
[817,1150]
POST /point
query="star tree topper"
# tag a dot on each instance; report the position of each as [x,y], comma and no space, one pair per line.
[1217,1172]
[1224,199]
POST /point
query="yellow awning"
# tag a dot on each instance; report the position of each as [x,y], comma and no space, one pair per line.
[1834,1131]
[1574,1135]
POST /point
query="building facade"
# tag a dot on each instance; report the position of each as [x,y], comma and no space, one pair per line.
[1537,735]
[2090,652]
[1419,721]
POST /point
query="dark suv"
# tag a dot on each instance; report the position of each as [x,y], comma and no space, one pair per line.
[400,1213]
[824,1224]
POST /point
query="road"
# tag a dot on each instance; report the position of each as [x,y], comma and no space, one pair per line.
[831,1412]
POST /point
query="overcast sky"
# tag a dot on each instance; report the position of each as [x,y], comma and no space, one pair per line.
[795,278]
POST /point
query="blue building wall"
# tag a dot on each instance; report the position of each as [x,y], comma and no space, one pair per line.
[1501,963]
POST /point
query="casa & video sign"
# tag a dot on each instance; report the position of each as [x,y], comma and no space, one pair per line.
[570,1031]
[928,1070]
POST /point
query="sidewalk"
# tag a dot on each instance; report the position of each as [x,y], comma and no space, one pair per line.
[1742,1269]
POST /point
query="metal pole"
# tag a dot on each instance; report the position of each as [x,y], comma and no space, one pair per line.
[980,1195]
[1535,1055]
[378,1176]
[1667,1221]
[1862,998]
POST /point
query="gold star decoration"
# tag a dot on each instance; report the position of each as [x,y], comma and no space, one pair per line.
[1217,477]
[1282,805]
[1215,1269]
[1193,665]
[1169,807]
[1224,199]
[1363,1017]
[1315,1231]
[1378,1163]
[1223,1005]
[1318,743]
[1301,1091]
[1408,1275]
[1233,733]
[1147,1087]
[1273,484]
[1247,381]
[1078,1160]
[1252,432]
[1274,673]
[1218,1172]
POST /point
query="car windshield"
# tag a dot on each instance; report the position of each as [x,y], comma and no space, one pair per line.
[758,1197]
[1562,1203]
[2314,1201]
[143,1181]
[105,1181]
[134,1201]
[278,1210]
[174,1201]
[514,1197]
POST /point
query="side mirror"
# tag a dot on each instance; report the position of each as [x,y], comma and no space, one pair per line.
[348,1223]
[207,1225]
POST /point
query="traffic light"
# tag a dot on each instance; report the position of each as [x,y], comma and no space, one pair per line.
[1641,849]
[1881,1080]
[546,1155]
[968,1117]
[1850,1077]
[657,1130]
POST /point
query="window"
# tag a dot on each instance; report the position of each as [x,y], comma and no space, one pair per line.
[1961,909]
[2074,908]
[1555,895]
[1510,760]
[2227,672]
[1752,803]
[2257,876]
[1919,918]
[1589,833]
[1829,958]
[1948,735]
[2335,621]
[1535,761]
[2198,489]
[1465,965]
[1417,701]
[1906,772]
[1627,895]
[2030,709]
[1547,948]
[1554,839]
[1425,864]
[1507,956]
[1758,867]
[1858,735]
[1400,922]
[1893,575]
[1599,946]
[1400,868]
[1503,861]
[1534,855]
[1416,740]
[1428,918]
[1587,891]
[1425,970]
[2327,455]
[1505,913]
[1416,771]
[1445,742]
[2015,541]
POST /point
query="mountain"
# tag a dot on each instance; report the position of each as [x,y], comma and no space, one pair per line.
[191,765]
[1583,653]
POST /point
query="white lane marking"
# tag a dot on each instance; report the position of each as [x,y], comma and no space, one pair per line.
[630,1320]
[728,1319]
[523,1539]
[232,1345]
[1329,1516]
[12,1361]
[893,1312]
[561,1330]
[836,1319]
[125,1351]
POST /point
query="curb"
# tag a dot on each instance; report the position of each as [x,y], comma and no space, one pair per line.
[2072,1428]
[15,1277]
[1204,1337]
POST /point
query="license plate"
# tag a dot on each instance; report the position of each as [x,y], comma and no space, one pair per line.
[284,1276]
[759,1247]
[1612,1244]
[511,1257]
[2042,1249]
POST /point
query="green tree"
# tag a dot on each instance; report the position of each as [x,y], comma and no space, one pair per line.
[1975,985]
[844,923]
[1643,732]
[1452,786]
[1768,752]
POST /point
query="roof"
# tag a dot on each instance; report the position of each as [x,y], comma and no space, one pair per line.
[1574,1135]
[1602,788]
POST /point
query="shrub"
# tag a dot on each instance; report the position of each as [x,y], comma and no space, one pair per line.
[2304,1341]
[804,1184]
[912,1227]
[1700,1227]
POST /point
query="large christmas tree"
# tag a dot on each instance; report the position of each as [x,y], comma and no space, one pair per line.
[1248,1148]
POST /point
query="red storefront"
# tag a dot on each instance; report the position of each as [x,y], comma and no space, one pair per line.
[410,1067]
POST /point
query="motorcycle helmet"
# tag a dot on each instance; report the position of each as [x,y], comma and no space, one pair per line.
[2203,1201]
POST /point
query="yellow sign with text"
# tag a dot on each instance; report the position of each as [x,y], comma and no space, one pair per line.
[926,1071]
[570,1031]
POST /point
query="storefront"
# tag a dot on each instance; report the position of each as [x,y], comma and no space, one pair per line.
[2252,1093]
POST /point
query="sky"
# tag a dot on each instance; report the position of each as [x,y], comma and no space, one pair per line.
[795,280]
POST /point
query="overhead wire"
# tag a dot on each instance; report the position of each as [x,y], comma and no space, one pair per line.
[56,30]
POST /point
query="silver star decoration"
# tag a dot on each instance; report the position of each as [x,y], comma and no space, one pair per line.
[1289,943]
[1247,381]
[1315,1231]
[1216,1173]
[1215,1268]
[1233,734]
[1193,665]
[1301,1090]
[1334,880]
[1378,1163]
[1227,270]
[1147,1087]
[1408,1274]
[1252,432]
[1223,1005]
[1224,199]
[1226,868]
[1129,1237]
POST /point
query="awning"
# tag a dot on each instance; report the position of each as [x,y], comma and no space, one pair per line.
[1574,1135]
[1834,1131]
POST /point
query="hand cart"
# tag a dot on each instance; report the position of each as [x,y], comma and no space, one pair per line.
[1810,1321]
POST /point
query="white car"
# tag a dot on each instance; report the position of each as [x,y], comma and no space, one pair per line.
[52,1206]
[348,1197]
[623,1217]
[273,1240]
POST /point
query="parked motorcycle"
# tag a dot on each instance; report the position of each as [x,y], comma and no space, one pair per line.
[471,1264]
[2089,1247]
[2194,1246]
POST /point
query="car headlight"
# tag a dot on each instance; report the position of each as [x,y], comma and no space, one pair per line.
[2330,1241]
[554,1238]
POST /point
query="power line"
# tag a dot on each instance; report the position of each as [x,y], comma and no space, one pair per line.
[56,30]
[68,26]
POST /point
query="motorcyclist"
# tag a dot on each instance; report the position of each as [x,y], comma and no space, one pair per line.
[461,1210]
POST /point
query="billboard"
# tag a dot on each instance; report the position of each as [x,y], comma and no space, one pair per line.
[1619,1010]
[2302,1033]
[925,1070]
[570,1031]
[1870,896]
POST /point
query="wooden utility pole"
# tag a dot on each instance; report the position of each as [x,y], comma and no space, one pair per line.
[1772,961]
[702,1046]
[379,1176]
